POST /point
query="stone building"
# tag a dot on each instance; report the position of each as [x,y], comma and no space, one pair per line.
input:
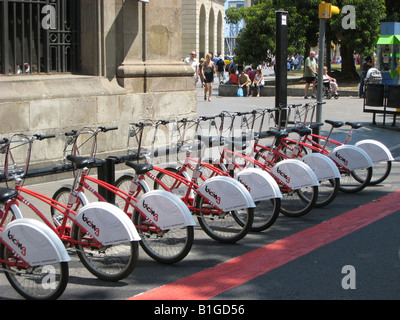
[203,27]
[66,64]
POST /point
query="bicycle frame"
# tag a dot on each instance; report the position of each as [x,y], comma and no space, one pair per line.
[159,222]
[280,172]
[214,191]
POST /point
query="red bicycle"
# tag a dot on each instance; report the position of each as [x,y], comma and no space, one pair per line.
[223,206]
[161,219]
[104,238]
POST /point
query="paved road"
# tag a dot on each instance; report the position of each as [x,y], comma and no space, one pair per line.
[296,259]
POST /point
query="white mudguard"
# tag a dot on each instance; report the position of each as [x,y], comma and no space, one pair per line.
[295,174]
[34,242]
[376,150]
[260,184]
[226,193]
[165,210]
[106,223]
[351,157]
[322,165]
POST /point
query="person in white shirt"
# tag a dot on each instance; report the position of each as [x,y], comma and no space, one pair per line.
[192,61]
[332,81]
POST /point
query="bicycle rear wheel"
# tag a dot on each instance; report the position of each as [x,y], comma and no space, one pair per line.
[225,227]
[355,181]
[299,202]
[166,246]
[109,263]
[45,282]
[380,172]
[327,192]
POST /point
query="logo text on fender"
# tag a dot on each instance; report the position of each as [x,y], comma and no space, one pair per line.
[245,184]
[150,210]
[341,158]
[15,241]
[283,174]
[213,194]
[91,225]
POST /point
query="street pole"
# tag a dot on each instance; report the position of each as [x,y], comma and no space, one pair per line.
[321,59]
[280,63]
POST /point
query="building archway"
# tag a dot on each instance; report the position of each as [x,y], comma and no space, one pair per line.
[203,27]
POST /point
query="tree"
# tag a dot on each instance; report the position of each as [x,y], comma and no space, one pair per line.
[257,38]
[362,39]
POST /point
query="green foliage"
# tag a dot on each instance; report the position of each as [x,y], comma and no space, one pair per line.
[257,40]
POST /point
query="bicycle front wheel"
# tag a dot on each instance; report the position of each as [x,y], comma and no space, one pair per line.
[166,246]
[45,282]
[109,263]
[225,227]
[297,203]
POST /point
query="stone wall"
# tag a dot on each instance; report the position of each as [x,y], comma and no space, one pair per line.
[131,70]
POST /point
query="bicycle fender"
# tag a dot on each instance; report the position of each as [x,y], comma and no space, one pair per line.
[295,174]
[34,242]
[226,193]
[165,210]
[376,150]
[322,165]
[260,184]
[106,223]
[351,157]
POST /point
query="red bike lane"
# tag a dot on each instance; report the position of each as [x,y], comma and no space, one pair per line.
[209,283]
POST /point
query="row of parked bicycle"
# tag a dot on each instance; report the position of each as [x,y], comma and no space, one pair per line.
[225,173]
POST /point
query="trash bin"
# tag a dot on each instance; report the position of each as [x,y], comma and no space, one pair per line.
[374,94]
[393,97]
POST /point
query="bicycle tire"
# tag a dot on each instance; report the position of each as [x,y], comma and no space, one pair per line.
[355,181]
[327,192]
[266,213]
[228,227]
[168,246]
[32,283]
[109,263]
[380,172]
[299,202]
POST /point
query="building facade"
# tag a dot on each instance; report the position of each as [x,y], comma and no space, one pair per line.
[66,64]
[203,27]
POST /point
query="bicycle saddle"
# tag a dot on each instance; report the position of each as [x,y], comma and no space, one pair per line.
[335,124]
[354,125]
[139,167]
[301,131]
[81,162]
[7,194]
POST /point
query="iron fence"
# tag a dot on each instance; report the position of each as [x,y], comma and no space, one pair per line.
[39,36]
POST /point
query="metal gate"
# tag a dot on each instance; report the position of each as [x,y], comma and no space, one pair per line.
[39,36]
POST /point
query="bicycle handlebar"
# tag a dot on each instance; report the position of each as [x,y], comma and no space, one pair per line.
[44,136]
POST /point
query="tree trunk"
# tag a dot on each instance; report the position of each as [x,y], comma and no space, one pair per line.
[348,66]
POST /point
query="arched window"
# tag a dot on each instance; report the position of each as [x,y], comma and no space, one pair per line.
[39,36]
